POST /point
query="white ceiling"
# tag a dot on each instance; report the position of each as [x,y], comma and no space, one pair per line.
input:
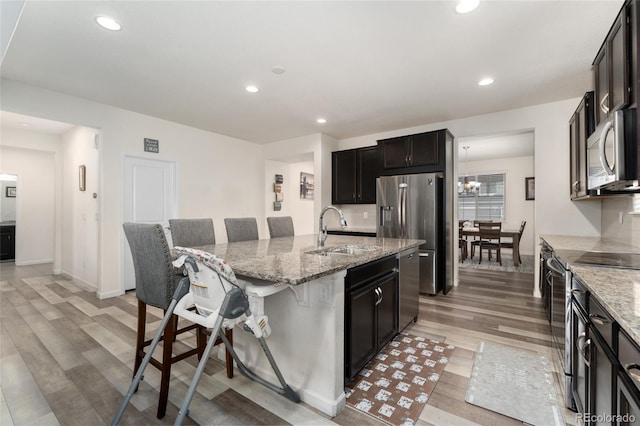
[24,122]
[366,66]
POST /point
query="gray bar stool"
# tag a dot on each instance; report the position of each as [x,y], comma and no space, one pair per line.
[281,226]
[241,229]
[192,232]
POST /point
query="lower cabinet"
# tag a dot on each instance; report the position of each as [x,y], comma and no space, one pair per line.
[7,242]
[371,311]
[628,383]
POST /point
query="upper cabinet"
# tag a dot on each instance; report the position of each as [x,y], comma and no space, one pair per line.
[354,173]
[410,151]
[419,153]
[581,126]
[612,68]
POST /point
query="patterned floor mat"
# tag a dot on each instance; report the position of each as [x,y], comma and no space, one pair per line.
[395,386]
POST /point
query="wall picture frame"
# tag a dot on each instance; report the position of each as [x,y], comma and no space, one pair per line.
[82,177]
[10,192]
[306,186]
[530,188]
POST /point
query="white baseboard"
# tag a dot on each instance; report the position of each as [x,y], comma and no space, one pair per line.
[85,285]
[32,262]
[107,294]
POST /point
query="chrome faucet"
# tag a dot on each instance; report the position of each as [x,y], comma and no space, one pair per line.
[322,230]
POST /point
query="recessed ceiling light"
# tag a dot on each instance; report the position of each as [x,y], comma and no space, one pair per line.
[278,70]
[321,120]
[466,6]
[251,89]
[485,81]
[25,124]
[108,23]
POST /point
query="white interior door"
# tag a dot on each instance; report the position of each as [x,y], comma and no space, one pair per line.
[150,196]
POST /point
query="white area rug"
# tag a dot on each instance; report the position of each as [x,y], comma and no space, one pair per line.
[514,382]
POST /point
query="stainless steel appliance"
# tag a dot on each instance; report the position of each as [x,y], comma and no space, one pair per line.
[612,153]
[410,206]
[409,271]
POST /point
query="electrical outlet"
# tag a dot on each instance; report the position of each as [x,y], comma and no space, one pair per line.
[324,294]
[620,217]
[365,215]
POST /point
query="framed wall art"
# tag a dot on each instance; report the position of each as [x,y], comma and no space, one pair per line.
[10,192]
[530,188]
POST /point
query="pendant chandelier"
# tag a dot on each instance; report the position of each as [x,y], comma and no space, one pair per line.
[467,186]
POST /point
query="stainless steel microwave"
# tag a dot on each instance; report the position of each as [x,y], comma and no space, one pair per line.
[612,153]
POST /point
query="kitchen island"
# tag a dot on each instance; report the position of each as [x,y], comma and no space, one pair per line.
[305,303]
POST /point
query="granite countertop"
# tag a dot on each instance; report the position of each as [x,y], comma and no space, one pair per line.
[618,290]
[284,260]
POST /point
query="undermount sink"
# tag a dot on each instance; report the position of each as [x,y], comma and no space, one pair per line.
[343,250]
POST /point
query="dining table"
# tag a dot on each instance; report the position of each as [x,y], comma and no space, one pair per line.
[506,233]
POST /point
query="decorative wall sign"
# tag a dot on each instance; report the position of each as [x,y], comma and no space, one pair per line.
[82,177]
[10,192]
[306,186]
[151,145]
[279,179]
[277,206]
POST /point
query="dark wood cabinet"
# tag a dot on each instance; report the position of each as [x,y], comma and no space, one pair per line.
[628,381]
[581,126]
[612,68]
[354,173]
[371,311]
[421,149]
[7,242]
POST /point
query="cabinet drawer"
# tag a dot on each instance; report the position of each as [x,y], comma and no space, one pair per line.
[579,293]
[361,274]
[601,320]
[629,357]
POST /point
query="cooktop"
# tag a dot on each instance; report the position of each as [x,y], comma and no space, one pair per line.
[614,260]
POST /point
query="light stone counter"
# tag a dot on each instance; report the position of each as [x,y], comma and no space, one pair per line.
[286,261]
[618,290]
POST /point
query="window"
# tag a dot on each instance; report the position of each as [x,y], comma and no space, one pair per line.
[487,203]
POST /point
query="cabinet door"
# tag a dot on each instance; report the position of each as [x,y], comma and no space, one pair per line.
[628,402]
[574,163]
[601,382]
[368,170]
[361,326]
[387,309]
[424,149]
[395,152]
[579,360]
[343,185]
[600,69]
[619,71]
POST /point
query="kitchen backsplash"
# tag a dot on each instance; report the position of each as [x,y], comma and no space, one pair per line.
[355,215]
[627,232]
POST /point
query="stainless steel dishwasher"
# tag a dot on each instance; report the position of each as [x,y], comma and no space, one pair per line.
[409,266]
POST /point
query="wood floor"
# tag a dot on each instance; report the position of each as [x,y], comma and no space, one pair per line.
[66,357]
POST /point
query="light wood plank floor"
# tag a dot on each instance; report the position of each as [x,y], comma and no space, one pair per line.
[66,357]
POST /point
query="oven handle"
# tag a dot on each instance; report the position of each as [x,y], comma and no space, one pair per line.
[554,264]
[600,320]
[583,348]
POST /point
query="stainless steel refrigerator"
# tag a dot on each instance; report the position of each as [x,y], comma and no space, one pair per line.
[410,206]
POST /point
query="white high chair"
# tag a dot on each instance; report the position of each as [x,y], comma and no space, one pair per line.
[220,302]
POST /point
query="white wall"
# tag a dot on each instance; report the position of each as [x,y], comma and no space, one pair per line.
[7,204]
[36,195]
[517,208]
[80,223]
[300,210]
[218,176]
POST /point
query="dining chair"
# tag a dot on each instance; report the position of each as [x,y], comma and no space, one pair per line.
[509,244]
[155,285]
[281,226]
[192,232]
[489,239]
[241,229]
[462,242]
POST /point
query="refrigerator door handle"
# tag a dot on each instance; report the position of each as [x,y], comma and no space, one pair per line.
[402,217]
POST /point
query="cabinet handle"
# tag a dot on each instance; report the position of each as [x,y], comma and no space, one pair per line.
[354,195]
[583,349]
[604,107]
[576,186]
[634,375]
[410,159]
[379,293]
[576,291]
[406,159]
[598,319]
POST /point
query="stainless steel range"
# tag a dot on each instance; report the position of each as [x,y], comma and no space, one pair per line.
[555,283]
